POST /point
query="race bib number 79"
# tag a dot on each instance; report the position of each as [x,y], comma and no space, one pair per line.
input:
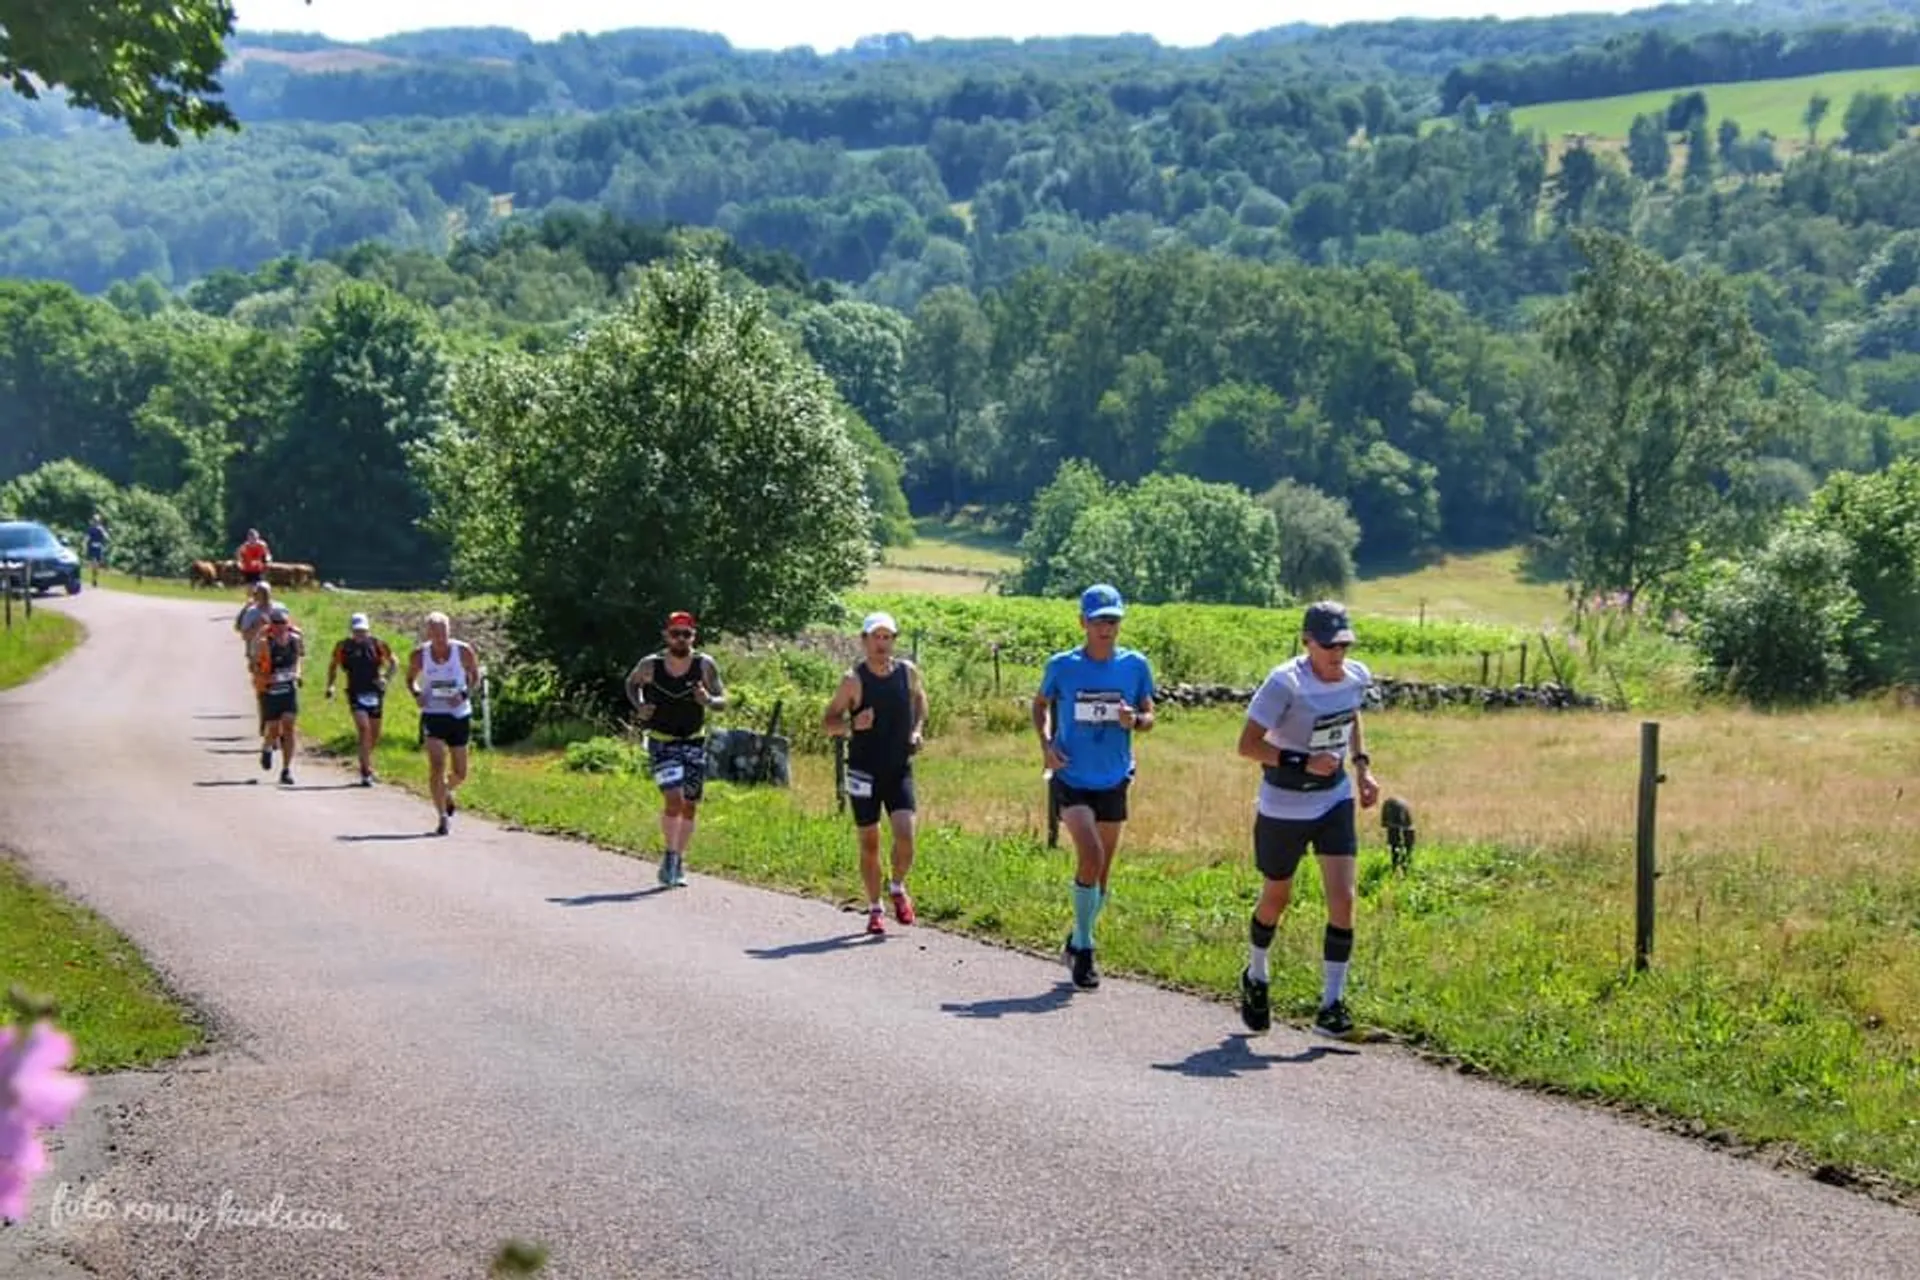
[1097,708]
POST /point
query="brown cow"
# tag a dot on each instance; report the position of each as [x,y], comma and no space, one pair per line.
[229,571]
[202,573]
[290,574]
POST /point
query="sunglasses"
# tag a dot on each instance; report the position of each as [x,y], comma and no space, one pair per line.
[680,633]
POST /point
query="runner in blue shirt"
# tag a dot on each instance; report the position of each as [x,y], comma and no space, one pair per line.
[1092,700]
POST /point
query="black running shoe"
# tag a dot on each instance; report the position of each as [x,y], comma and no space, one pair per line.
[450,805]
[1085,976]
[266,757]
[1254,1009]
[1334,1021]
[286,777]
[442,829]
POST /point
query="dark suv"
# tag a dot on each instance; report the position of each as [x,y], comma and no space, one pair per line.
[50,563]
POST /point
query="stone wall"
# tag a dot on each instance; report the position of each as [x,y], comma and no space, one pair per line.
[1411,695]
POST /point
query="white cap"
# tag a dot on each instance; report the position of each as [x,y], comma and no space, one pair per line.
[877,622]
[358,623]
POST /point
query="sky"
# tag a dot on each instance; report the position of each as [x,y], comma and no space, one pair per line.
[780,24]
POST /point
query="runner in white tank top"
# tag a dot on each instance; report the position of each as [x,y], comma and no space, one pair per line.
[442,675]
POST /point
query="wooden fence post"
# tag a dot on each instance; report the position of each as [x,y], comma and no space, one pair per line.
[1645,870]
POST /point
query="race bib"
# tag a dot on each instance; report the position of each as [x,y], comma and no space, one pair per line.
[1331,733]
[368,700]
[1096,708]
[670,773]
[859,785]
[282,681]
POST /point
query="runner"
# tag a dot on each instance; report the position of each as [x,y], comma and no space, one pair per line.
[881,708]
[1108,693]
[254,556]
[97,546]
[671,691]
[450,672]
[370,665]
[279,670]
[1302,727]
[251,623]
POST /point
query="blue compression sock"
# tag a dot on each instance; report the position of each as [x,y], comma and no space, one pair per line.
[1086,905]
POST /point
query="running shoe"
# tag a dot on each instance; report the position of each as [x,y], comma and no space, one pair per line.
[677,876]
[442,828]
[1255,1010]
[876,921]
[286,777]
[1085,975]
[1334,1021]
[902,907]
[266,757]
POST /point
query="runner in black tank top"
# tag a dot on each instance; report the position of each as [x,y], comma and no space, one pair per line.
[673,707]
[881,708]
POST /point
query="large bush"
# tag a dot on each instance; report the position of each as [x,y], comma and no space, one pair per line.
[150,536]
[1318,535]
[1779,628]
[61,494]
[683,454]
[1878,516]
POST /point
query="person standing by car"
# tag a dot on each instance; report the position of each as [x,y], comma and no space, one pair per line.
[370,667]
[97,545]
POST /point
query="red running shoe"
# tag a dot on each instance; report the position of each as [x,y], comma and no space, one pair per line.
[876,923]
[903,907]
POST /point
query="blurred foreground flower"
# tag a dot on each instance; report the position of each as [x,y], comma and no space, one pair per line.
[35,1093]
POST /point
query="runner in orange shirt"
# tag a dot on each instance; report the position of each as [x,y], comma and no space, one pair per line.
[254,556]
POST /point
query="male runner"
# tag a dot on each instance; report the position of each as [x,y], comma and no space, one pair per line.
[441,676]
[1092,700]
[251,623]
[254,556]
[97,545]
[279,670]
[881,708]
[370,666]
[1302,727]
[671,691]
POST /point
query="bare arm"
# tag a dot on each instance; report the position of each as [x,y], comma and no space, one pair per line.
[470,661]
[413,675]
[710,681]
[637,679]
[1254,745]
[837,722]
[333,669]
[919,702]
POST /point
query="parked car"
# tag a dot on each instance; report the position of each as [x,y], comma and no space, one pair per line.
[50,562]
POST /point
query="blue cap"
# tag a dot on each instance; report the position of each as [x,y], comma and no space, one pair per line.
[1102,601]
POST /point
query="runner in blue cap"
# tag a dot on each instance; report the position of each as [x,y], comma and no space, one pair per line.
[1092,700]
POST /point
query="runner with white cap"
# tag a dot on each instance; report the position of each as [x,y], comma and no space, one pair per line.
[370,665]
[881,708]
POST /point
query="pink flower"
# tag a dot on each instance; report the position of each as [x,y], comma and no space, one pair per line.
[35,1093]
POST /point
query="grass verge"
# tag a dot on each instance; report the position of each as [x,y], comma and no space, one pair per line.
[33,644]
[1783,1010]
[108,999]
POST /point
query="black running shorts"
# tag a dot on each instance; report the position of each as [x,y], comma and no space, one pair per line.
[1109,805]
[1279,843]
[274,704]
[370,704]
[455,731]
[679,766]
[868,794]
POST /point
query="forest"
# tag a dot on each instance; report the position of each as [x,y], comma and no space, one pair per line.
[1269,265]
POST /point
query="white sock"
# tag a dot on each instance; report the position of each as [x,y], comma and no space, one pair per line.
[873,909]
[1257,964]
[1336,980]
[896,886]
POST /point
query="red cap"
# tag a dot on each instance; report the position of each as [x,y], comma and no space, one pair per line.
[680,619]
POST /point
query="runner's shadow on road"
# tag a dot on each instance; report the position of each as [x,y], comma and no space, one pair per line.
[323,786]
[218,715]
[373,836]
[818,947]
[231,751]
[1046,1002]
[1235,1057]
[230,782]
[598,899]
[231,737]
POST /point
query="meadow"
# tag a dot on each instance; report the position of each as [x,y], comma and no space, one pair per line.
[29,644]
[1775,106]
[1782,1010]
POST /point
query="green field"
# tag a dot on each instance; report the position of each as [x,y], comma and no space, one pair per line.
[1775,106]
[30,645]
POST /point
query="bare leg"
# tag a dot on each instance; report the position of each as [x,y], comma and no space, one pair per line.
[903,845]
[437,776]
[870,862]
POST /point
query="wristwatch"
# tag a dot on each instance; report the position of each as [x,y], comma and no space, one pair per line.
[1362,759]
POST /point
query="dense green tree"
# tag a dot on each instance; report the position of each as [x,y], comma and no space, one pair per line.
[1317,534]
[1779,628]
[1872,123]
[369,390]
[683,455]
[1878,516]
[1656,370]
[150,536]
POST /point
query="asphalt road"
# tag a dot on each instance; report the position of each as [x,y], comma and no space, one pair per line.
[433,1045]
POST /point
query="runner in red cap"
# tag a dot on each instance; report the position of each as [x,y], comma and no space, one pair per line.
[672,689]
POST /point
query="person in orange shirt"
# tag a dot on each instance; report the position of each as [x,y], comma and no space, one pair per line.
[254,556]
